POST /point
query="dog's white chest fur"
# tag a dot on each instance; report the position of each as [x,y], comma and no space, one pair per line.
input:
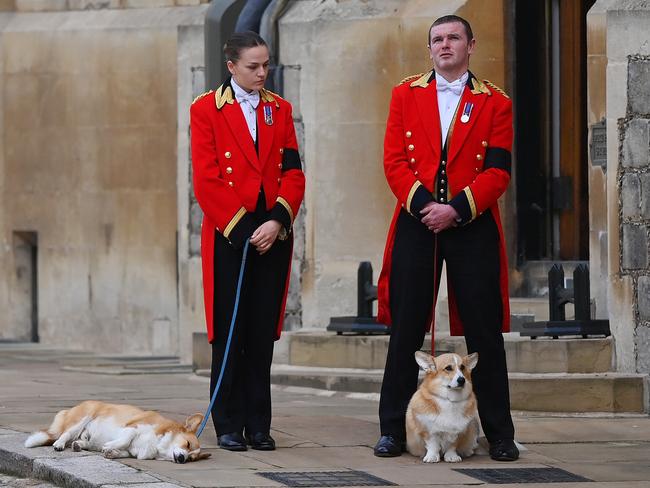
[447,424]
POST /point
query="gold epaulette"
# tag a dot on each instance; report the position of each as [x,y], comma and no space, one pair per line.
[410,78]
[495,88]
[269,96]
[201,96]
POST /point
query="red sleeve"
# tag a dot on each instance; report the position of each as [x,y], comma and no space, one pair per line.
[409,191]
[219,202]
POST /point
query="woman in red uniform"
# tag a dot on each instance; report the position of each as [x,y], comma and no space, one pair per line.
[249,183]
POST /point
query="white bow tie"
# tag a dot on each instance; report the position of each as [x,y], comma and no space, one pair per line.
[456,87]
[253,98]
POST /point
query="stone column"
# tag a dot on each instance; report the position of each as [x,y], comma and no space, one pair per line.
[628,181]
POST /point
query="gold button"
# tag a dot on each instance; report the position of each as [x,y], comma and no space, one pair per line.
[411,147]
[230,183]
[281,150]
[227,154]
[484,143]
[479,157]
[408,133]
[279,165]
[412,160]
[416,173]
[229,170]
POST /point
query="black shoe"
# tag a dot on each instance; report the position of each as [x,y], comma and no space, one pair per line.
[389,446]
[261,441]
[232,442]
[504,450]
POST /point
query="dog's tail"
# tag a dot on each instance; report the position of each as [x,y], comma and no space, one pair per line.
[40,438]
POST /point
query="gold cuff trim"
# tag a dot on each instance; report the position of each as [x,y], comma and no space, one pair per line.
[286,205]
[470,200]
[414,188]
[233,222]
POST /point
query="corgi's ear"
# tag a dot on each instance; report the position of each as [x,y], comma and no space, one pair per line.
[425,361]
[471,360]
[192,422]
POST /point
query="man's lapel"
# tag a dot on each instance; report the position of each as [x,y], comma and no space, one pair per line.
[426,100]
[226,103]
[474,93]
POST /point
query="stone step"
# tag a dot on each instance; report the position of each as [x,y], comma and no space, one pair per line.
[563,392]
[524,355]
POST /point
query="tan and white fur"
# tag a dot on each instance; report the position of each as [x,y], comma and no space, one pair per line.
[119,431]
[442,416]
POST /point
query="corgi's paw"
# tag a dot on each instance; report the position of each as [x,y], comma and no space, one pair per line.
[452,457]
[110,453]
[466,453]
[431,457]
[58,446]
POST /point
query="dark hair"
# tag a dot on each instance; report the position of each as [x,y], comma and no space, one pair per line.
[448,19]
[239,41]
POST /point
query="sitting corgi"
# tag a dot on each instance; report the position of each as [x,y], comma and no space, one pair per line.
[122,431]
[442,416]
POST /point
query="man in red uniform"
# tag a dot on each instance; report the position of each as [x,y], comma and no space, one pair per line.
[447,160]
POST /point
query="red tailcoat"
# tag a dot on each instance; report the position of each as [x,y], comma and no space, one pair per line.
[228,173]
[478,165]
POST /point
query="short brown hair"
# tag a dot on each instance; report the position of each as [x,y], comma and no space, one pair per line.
[448,19]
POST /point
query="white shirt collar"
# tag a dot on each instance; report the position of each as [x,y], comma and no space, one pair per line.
[241,94]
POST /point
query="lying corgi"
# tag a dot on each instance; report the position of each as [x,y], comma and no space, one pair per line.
[120,431]
[442,416]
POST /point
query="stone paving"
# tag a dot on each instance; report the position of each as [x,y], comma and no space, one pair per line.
[316,431]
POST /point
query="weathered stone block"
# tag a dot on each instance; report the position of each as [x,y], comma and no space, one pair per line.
[643,297]
[643,349]
[88,472]
[636,143]
[196,216]
[635,246]
[645,195]
[638,82]
[631,195]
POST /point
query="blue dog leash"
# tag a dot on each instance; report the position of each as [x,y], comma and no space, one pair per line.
[232,328]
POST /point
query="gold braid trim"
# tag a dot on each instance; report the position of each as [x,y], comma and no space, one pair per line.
[201,96]
[479,87]
[286,205]
[268,96]
[414,188]
[496,88]
[470,200]
[233,222]
[422,81]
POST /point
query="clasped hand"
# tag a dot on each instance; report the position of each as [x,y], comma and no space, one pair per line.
[438,217]
[265,235]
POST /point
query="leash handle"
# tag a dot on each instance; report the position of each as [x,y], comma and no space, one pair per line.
[227,350]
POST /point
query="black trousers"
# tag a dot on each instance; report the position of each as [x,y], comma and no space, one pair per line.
[244,399]
[471,254]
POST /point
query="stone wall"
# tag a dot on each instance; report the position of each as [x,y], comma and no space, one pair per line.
[342,59]
[89,122]
[65,5]
[628,181]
